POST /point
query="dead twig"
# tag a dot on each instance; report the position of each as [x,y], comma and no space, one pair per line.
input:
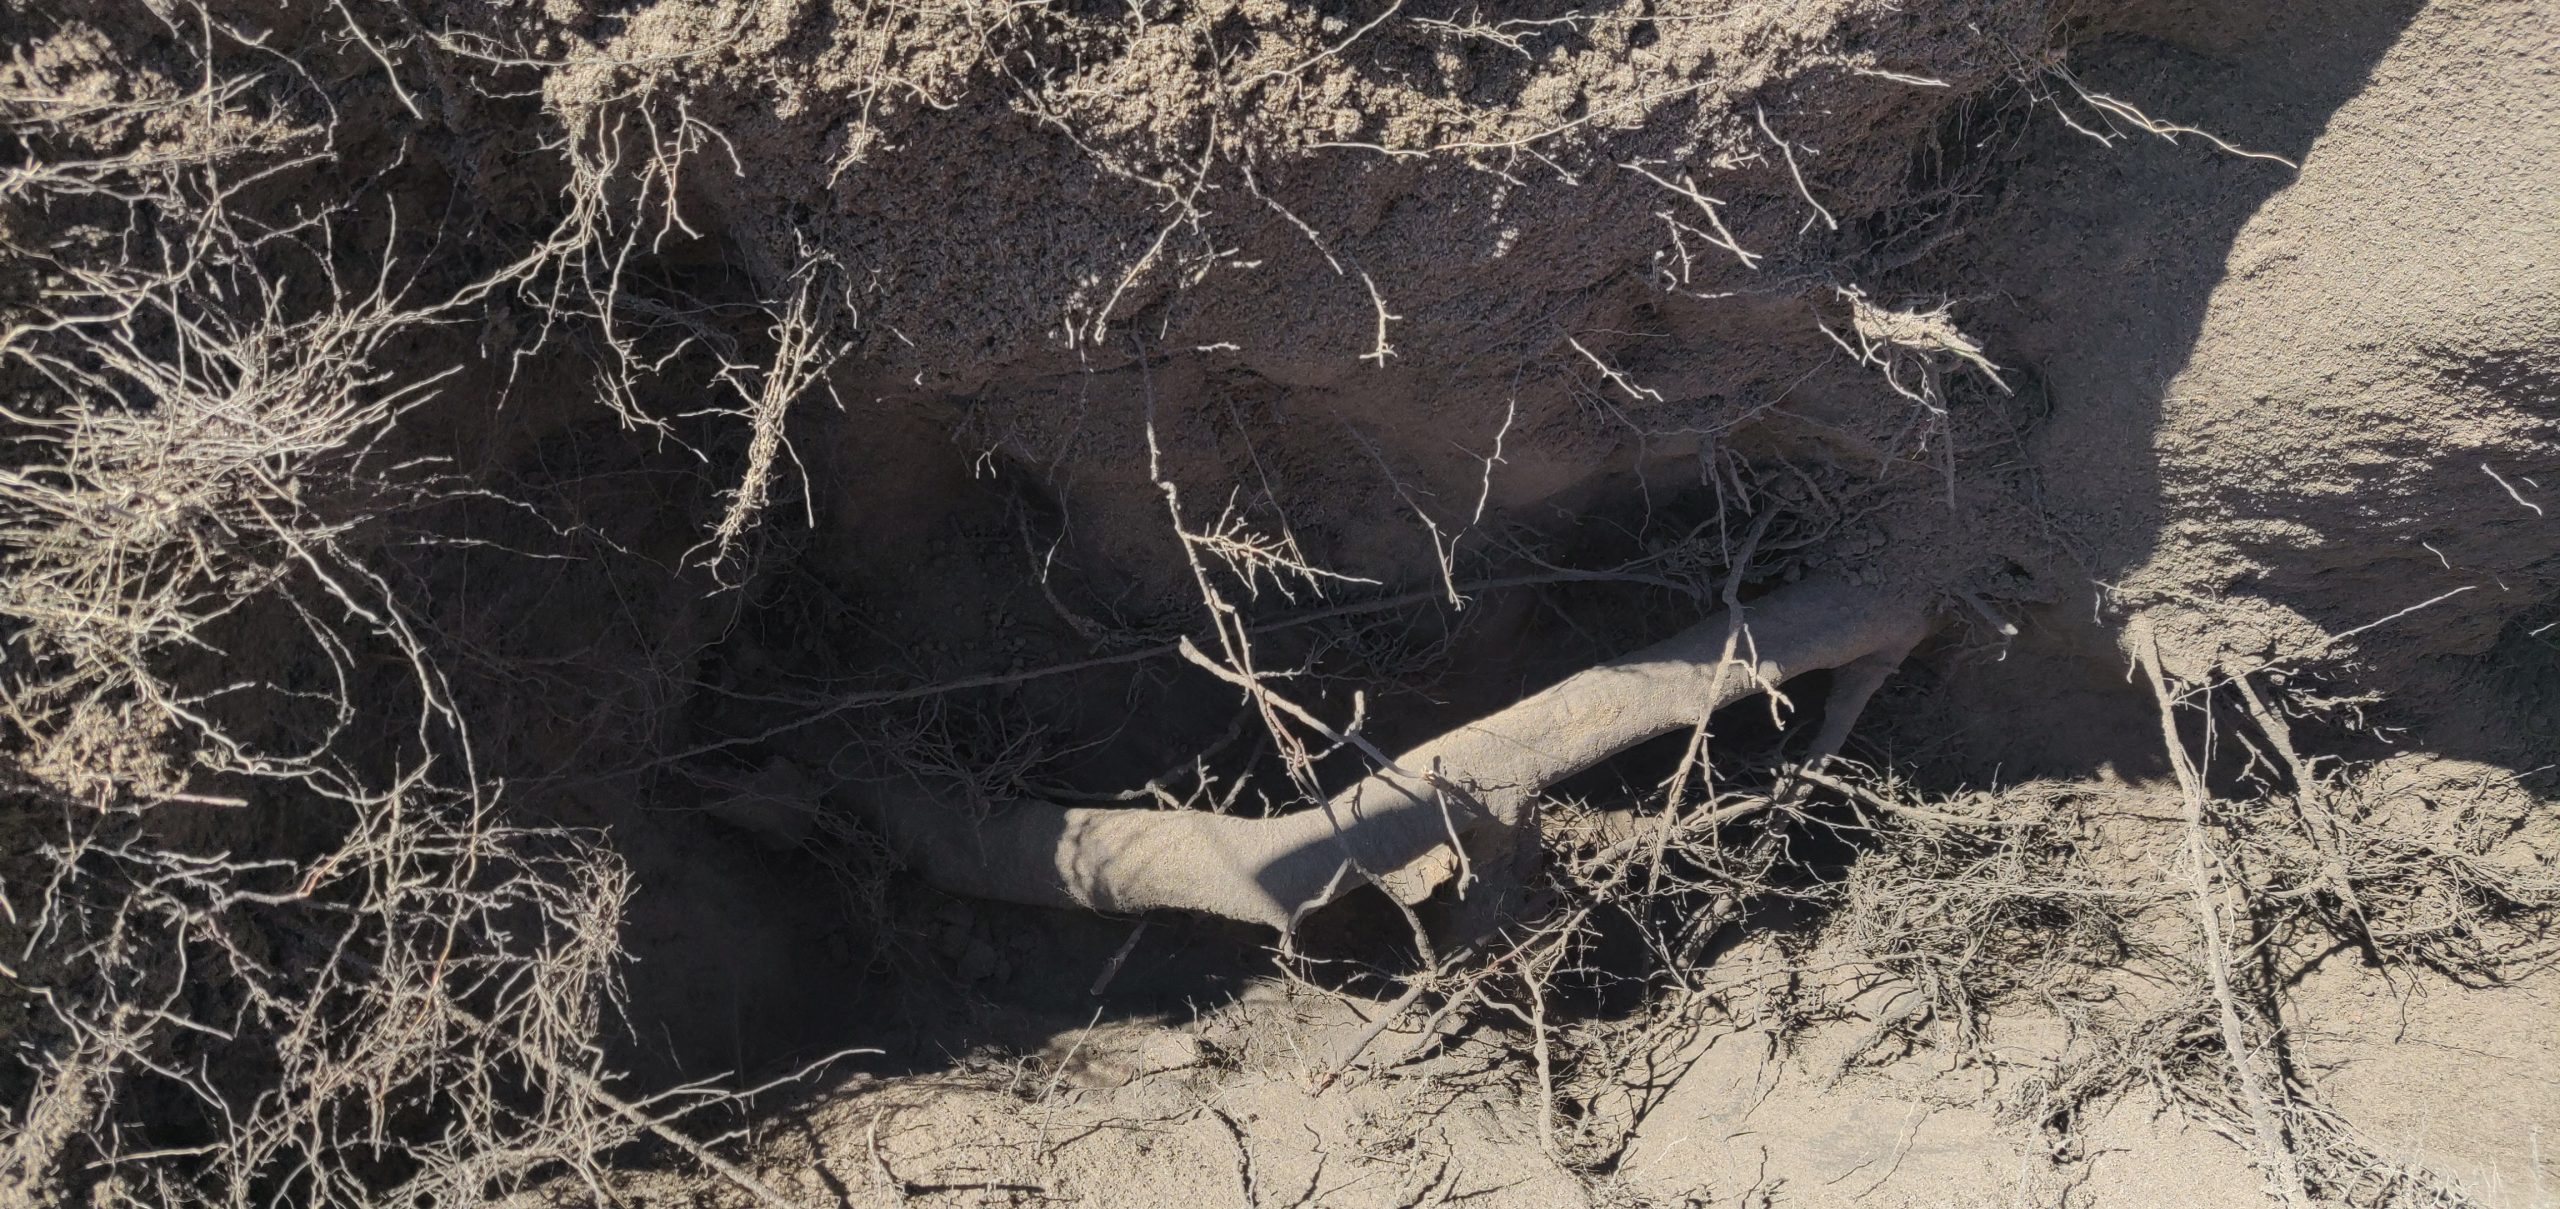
[2259,1088]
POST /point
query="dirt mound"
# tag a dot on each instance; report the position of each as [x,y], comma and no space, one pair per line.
[2321,439]
[1812,602]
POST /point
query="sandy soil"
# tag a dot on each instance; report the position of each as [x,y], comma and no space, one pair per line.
[2229,331]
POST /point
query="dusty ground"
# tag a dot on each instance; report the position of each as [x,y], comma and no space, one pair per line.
[1795,1076]
[703,413]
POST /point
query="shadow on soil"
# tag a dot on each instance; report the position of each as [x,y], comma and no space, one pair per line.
[750,959]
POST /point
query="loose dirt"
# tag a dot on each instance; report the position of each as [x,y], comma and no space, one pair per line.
[556,537]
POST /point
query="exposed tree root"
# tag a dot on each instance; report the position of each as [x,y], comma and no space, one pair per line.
[1395,827]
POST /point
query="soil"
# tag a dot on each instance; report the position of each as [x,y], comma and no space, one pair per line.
[1423,306]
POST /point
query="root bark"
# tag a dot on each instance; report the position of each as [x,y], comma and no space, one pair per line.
[1396,826]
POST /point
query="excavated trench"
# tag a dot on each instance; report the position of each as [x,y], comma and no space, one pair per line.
[928,490]
[996,521]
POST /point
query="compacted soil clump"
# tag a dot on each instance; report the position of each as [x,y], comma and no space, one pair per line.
[1406,604]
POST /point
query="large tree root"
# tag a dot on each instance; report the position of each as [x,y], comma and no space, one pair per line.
[1402,828]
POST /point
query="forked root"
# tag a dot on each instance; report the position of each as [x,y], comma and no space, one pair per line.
[1394,828]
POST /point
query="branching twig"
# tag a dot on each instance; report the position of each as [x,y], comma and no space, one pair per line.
[2259,1088]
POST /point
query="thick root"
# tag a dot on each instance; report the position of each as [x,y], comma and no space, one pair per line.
[1395,827]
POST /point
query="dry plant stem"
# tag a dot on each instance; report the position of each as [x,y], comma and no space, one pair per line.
[1543,1050]
[2278,735]
[814,710]
[1695,757]
[1268,871]
[1385,1019]
[801,359]
[2275,1152]
[1853,685]
[586,1085]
